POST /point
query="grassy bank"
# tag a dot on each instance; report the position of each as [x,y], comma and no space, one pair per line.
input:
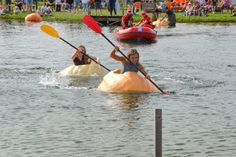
[57,16]
[77,17]
[217,18]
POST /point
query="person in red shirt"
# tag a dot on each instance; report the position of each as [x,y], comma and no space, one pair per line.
[127,20]
[146,21]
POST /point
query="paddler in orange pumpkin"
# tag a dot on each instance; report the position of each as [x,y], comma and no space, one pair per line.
[131,65]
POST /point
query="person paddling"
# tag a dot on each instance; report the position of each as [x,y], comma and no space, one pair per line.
[146,21]
[171,17]
[127,20]
[80,59]
[132,66]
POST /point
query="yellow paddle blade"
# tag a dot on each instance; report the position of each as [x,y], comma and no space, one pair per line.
[49,30]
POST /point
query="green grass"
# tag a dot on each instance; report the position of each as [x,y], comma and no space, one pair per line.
[57,16]
[77,17]
[217,17]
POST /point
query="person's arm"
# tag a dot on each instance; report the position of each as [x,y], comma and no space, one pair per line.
[74,55]
[139,23]
[122,20]
[142,23]
[143,71]
[146,21]
[77,54]
[114,56]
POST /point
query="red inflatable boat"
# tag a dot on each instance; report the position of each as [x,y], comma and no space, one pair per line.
[135,33]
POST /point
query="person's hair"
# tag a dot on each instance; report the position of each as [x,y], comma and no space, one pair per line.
[82,48]
[132,52]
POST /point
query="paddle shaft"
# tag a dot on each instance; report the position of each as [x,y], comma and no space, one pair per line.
[135,65]
[163,18]
[113,23]
[84,54]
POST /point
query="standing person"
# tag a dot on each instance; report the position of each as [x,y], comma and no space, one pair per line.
[58,5]
[155,13]
[146,21]
[69,4]
[8,3]
[19,4]
[36,4]
[77,5]
[171,17]
[79,58]
[98,5]
[111,6]
[130,65]
[117,6]
[137,6]
[86,6]
[127,20]
[214,6]
[63,5]
[29,4]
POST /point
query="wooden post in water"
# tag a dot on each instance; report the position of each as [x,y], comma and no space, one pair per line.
[158,133]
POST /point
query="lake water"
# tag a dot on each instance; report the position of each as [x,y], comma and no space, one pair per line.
[44,115]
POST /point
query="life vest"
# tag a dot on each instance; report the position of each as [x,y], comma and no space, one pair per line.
[128,20]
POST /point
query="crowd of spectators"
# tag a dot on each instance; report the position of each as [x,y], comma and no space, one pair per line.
[188,7]
[200,7]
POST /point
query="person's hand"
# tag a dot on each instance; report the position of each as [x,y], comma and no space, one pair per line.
[116,48]
[98,59]
[79,55]
[148,77]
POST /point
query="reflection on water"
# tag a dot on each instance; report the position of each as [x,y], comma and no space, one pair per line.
[127,101]
[127,109]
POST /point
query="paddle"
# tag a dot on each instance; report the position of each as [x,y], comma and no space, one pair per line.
[114,23]
[53,33]
[163,18]
[91,23]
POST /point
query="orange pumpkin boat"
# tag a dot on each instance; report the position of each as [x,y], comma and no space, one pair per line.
[128,82]
[33,17]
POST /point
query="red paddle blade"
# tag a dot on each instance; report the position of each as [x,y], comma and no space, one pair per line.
[91,23]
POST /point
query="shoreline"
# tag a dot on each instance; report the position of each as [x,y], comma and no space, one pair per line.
[72,17]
